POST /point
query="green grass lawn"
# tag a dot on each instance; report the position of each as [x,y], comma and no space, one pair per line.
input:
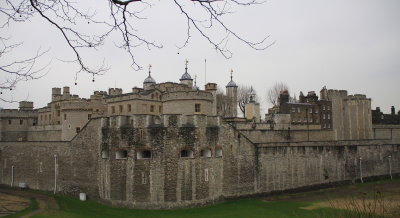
[289,205]
[70,207]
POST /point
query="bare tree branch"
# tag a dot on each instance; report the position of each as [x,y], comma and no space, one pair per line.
[274,92]
[68,16]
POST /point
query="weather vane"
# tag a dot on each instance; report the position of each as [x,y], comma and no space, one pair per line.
[150,68]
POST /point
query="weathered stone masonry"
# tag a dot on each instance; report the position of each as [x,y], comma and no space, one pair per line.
[89,162]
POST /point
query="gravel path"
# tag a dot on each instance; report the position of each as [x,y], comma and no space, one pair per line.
[44,202]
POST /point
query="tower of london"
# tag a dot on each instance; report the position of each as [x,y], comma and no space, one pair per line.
[174,144]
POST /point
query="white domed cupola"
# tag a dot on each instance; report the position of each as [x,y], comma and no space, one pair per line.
[231,83]
[149,81]
[186,78]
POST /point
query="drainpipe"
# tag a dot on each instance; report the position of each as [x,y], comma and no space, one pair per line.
[12,176]
[361,177]
[390,166]
[55,173]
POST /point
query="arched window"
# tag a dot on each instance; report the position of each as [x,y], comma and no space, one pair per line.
[218,152]
[186,153]
[121,154]
[144,154]
[205,153]
[104,154]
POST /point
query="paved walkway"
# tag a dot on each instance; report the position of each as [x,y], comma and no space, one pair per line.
[44,202]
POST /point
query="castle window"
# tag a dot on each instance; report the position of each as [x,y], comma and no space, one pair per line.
[112,109]
[206,175]
[329,125]
[65,116]
[310,120]
[329,116]
[143,154]
[323,116]
[329,108]
[218,152]
[310,110]
[104,154]
[323,107]
[205,153]
[144,179]
[49,116]
[152,96]
[45,117]
[9,122]
[160,109]
[151,108]
[58,113]
[141,134]
[129,107]
[305,119]
[21,122]
[89,116]
[197,108]
[78,129]
[316,110]
[293,110]
[121,108]
[122,154]
[186,154]
[298,110]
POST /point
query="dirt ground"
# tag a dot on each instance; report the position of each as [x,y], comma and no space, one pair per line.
[10,204]
[372,198]
[44,202]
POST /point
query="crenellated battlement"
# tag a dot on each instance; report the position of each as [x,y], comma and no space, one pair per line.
[12,113]
[357,97]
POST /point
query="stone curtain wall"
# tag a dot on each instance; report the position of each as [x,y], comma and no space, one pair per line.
[168,181]
[34,163]
[298,165]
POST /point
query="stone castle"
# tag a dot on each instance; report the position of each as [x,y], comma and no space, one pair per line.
[172,145]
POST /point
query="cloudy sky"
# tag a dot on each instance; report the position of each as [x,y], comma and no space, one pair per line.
[342,44]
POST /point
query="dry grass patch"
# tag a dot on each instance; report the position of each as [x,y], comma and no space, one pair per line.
[10,204]
[363,205]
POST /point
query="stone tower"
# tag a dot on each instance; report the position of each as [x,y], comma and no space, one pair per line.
[186,78]
[212,87]
[232,94]
[252,109]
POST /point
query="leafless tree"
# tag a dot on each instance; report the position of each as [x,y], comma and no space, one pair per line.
[69,18]
[244,97]
[13,71]
[274,92]
[222,103]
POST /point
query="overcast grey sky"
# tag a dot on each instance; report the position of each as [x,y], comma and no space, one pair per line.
[342,44]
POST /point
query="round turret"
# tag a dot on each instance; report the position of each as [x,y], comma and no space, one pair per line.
[231,83]
[149,81]
[232,93]
[186,78]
